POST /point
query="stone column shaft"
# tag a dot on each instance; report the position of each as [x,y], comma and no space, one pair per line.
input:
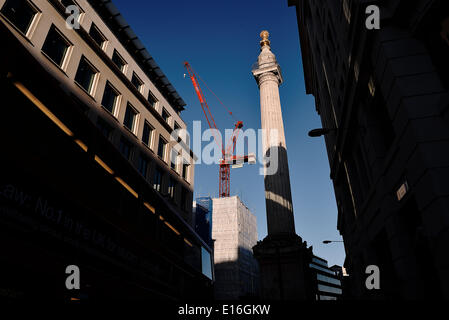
[278,197]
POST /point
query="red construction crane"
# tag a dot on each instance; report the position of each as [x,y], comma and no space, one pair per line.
[228,150]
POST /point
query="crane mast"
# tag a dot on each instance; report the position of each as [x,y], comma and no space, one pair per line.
[227,151]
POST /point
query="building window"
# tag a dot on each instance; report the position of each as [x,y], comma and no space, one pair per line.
[161,148]
[56,46]
[125,148]
[185,171]
[137,82]
[152,99]
[171,188]
[178,133]
[143,165]
[105,128]
[20,13]
[110,98]
[130,118]
[85,76]
[147,135]
[174,159]
[97,36]
[157,179]
[165,115]
[119,61]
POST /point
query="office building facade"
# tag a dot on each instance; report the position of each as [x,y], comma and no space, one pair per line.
[91,175]
[327,281]
[382,96]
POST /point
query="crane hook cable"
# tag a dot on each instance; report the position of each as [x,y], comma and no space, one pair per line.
[227,109]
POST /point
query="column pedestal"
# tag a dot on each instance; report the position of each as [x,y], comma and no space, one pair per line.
[284,268]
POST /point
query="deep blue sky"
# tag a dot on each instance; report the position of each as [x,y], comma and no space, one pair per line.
[220,39]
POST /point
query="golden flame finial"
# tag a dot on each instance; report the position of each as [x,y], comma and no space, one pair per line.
[264,36]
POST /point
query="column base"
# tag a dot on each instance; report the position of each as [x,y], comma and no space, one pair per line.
[284,268]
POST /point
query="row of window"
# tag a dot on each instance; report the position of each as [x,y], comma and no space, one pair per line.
[176,162]
[21,13]
[57,48]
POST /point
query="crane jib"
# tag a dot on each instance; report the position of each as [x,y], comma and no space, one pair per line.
[197,89]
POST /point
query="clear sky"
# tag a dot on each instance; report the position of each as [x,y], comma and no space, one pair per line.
[220,39]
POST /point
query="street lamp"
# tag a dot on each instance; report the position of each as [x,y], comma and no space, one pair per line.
[320,132]
[331,241]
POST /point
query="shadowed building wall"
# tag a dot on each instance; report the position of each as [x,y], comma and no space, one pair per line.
[382,96]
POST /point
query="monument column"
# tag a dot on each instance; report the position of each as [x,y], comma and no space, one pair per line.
[278,197]
[283,257]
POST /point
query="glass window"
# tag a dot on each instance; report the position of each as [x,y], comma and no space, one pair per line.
[147,134]
[161,148]
[20,12]
[324,288]
[125,148]
[152,99]
[174,159]
[118,61]
[143,165]
[206,263]
[104,127]
[55,46]
[110,98]
[165,115]
[319,261]
[171,188]
[185,173]
[157,180]
[96,35]
[314,266]
[137,82]
[323,278]
[130,118]
[178,133]
[85,75]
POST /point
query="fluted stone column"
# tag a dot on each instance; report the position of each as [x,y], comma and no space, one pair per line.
[278,197]
[283,257]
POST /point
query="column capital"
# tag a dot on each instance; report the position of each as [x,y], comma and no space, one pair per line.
[272,72]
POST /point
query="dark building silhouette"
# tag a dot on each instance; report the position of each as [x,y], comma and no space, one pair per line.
[382,96]
[85,175]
